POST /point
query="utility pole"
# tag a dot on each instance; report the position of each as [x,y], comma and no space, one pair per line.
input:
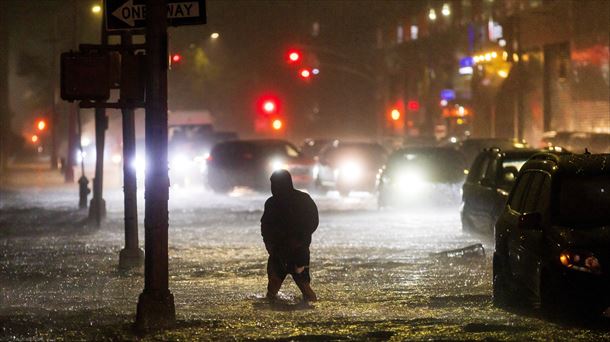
[131,255]
[156,303]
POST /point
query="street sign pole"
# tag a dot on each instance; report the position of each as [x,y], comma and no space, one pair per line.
[131,255]
[156,303]
[97,208]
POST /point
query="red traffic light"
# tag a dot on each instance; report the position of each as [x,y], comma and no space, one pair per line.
[176,58]
[413,105]
[305,73]
[293,56]
[269,106]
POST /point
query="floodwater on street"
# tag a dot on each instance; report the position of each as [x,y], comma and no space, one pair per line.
[378,274]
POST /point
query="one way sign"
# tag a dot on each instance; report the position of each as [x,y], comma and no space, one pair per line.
[131,14]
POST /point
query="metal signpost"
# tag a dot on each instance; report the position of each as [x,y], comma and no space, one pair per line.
[87,76]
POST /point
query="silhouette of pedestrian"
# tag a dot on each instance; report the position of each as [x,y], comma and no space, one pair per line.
[289,219]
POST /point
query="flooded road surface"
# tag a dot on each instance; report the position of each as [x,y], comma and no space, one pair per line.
[375,273]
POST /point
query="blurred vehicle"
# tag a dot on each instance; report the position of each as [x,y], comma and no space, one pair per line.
[487,186]
[251,162]
[188,147]
[578,141]
[471,147]
[311,147]
[422,175]
[349,166]
[553,236]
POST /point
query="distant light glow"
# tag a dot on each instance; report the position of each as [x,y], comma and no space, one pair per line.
[305,73]
[315,71]
[413,105]
[502,42]
[34,138]
[41,125]
[446,11]
[414,32]
[432,14]
[453,140]
[215,35]
[395,114]
[85,141]
[277,124]
[269,106]
[96,9]
[176,58]
[116,158]
[465,70]
[503,73]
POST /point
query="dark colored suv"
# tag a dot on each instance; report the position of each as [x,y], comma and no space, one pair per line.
[486,188]
[251,162]
[553,237]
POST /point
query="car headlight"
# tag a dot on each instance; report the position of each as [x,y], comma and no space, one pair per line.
[411,181]
[277,164]
[580,261]
[139,164]
[179,162]
[351,171]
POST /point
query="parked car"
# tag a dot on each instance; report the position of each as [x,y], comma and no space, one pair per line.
[251,162]
[578,141]
[553,236]
[471,147]
[349,166]
[422,175]
[487,186]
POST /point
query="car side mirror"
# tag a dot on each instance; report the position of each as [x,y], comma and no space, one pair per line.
[530,221]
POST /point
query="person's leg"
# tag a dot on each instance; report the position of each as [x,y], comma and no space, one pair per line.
[308,294]
[275,276]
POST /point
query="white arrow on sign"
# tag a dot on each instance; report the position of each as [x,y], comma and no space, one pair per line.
[129,13]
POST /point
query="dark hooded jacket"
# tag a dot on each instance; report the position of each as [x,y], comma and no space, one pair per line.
[290,218]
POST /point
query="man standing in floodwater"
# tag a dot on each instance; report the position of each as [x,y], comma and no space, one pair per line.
[289,219]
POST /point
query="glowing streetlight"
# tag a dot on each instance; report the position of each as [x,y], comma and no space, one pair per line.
[96,9]
[446,11]
[215,35]
[432,14]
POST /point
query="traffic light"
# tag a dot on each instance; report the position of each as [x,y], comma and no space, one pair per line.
[269,106]
[277,124]
[294,56]
[305,74]
[176,58]
[395,114]
[413,105]
[41,125]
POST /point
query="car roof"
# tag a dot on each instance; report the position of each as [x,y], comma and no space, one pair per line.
[426,149]
[257,142]
[570,164]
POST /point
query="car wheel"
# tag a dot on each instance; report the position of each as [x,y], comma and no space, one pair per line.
[501,292]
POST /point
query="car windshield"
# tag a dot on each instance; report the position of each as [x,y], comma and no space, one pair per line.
[441,165]
[583,202]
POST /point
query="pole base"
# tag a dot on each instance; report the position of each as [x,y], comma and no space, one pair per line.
[93,210]
[156,311]
[131,258]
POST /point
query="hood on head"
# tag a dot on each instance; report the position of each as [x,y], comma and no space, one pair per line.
[281,183]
